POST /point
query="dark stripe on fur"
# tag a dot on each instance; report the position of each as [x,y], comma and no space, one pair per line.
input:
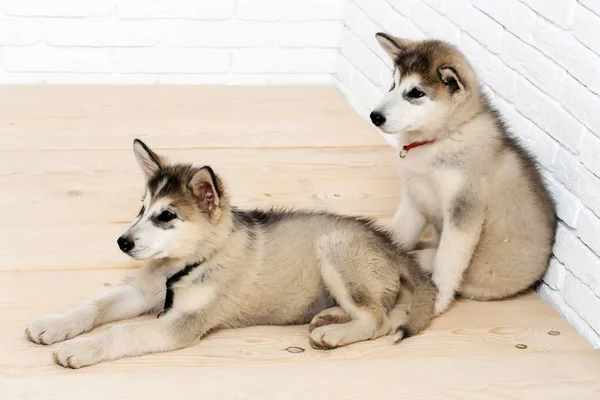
[176,277]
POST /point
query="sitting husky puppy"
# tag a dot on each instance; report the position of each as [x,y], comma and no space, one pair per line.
[212,266]
[463,173]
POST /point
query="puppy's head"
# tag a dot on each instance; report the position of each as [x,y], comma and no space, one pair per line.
[432,86]
[182,209]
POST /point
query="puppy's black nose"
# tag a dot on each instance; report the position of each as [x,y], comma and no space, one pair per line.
[377,118]
[125,244]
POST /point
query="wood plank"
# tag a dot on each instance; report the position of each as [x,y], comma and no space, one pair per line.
[106,187]
[199,118]
[168,101]
[468,328]
[549,376]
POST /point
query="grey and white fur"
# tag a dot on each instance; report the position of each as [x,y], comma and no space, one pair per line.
[211,266]
[493,217]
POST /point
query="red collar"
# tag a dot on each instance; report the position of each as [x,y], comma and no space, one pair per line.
[405,149]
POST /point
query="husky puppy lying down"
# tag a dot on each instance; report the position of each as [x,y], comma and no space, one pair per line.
[210,266]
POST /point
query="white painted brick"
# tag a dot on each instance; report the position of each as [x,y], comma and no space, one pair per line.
[586,28]
[582,103]
[558,303]
[437,5]
[193,79]
[581,182]
[311,34]
[480,26]
[219,34]
[344,71]
[155,61]
[291,10]
[19,79]
[512,14]
[259,10]
[281,79]
[368,93]
[353,16]
[312,10]
[59,8]
[589,152]
[529,62]
[555,275]
[377,10]
[583,300]
[588,230]
[568,206]
[185,9]
[101,33]
[434,24]
[593,5]
[403,6]
[97,79]
[541,145]
[20,32]
[44,59]
[558,11]
[563,48]
[362,57]
[403,27]
[548,114]
[577,258]
[284,61]
[366,34]
[490,68]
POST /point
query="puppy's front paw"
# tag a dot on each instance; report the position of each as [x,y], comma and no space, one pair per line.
[76,353]
[52,329]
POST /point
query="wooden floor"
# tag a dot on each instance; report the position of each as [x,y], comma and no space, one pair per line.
[69,185]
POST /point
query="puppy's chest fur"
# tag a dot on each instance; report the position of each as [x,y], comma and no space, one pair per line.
[419,174]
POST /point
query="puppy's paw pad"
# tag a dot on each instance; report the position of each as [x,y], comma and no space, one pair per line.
[75,354]
[321,320]
[47,330]
[326,337]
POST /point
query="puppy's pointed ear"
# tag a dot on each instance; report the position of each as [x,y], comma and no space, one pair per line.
[149,161]
[205,186]
[450,77]
[393,46]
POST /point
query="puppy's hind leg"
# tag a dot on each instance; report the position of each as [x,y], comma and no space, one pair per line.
[365,314]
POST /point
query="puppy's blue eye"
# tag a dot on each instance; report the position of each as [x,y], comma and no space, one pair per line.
[166,216]
[415,93]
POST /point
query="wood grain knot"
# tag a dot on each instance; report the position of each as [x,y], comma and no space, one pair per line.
[294,349]
[521,346]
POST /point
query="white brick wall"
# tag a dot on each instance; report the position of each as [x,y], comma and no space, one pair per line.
[169,41]
[539,60]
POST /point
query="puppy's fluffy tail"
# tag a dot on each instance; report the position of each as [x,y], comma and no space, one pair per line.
[422,306]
